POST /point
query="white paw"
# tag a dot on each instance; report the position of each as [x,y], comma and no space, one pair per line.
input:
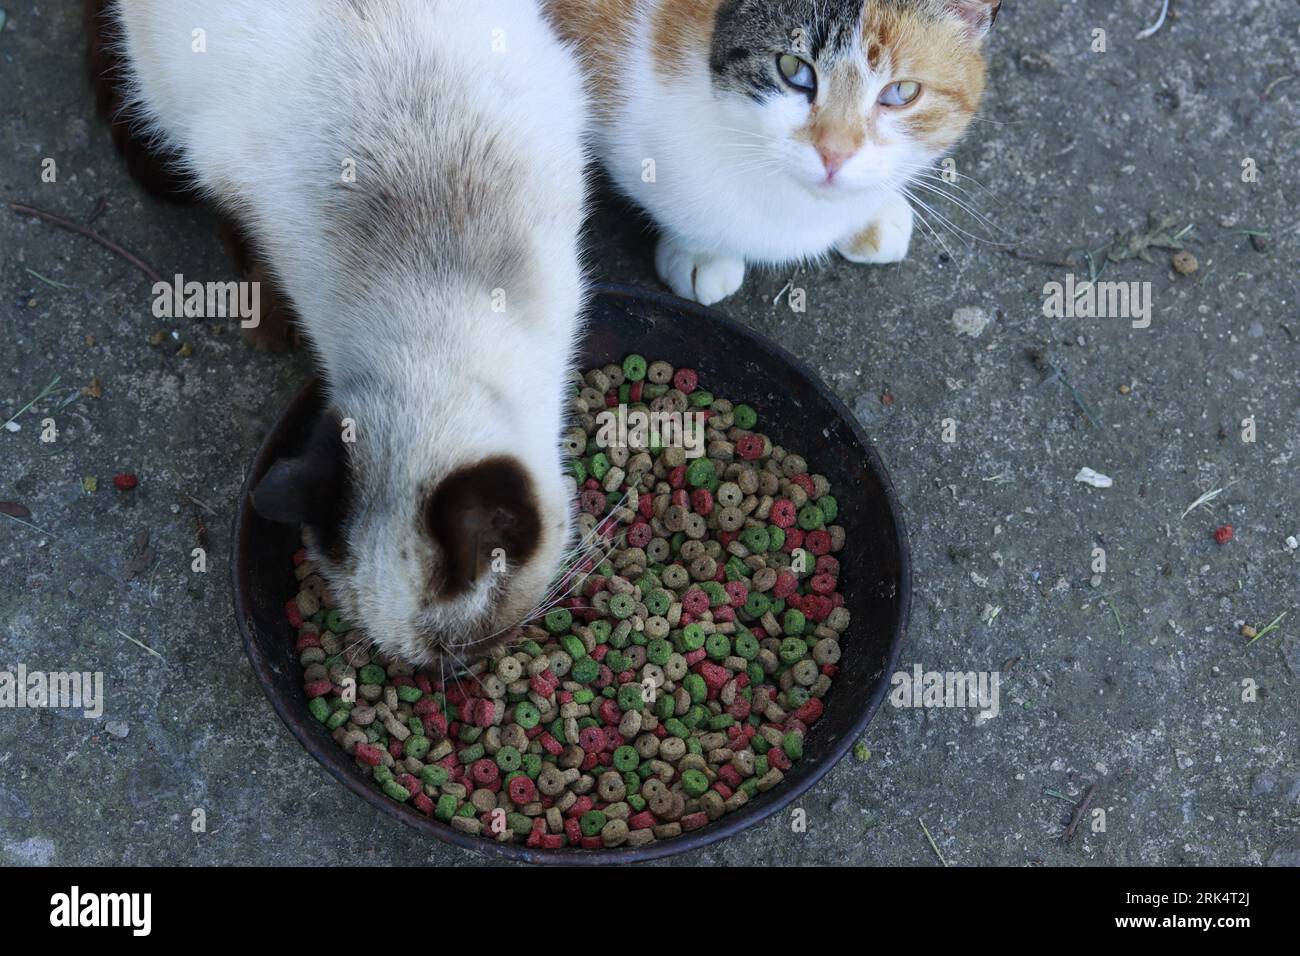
[884,240]
[705,277]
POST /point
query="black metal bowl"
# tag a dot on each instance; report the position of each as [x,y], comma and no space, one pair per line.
[795,409]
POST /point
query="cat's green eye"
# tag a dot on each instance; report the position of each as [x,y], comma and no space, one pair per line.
[797,73]
[900,94]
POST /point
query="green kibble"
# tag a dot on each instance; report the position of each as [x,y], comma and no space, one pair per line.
[692,638]
[696,687]
[776,538]
[558,621]
[701,399]
[584,671]
[600,630]
[829,506]
[717,646]
[434,775]
[470,754]
[338,718]
[792,744]
[621,606]
[700,472]
[694,782]
[742,416]
[747,646]
[416,746]
[811,517]
[626,758]
[319,709]
[409,693]
[675,727]
[630,697]
[527,715]
[861,752]
[793,624]
[598,466]
[573,646]
[508,758]
[757,604]
[592,822]
[756,539]
[634,368]
[658,651]
[658,601]
[372,674]
[792,649]
[445,808]
[532,764]
[397,791]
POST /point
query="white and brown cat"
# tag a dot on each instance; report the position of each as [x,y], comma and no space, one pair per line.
[411,171]
[775,131]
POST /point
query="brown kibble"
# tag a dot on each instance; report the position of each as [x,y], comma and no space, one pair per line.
[1248,631]
[1184,262]
[1125,389]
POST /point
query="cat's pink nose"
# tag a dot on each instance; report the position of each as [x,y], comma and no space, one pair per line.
[833,159]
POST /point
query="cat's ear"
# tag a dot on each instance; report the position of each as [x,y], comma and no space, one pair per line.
[978,15]
[310,488]
[477,510]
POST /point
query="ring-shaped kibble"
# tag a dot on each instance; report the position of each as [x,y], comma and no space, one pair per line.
[434,775]
[794,622]
[416,746]
[585,670]
[592,822]
[658,652]
[659,372]
[729,494]
[737,592]
[811,517]
[756,604]
[508,758]
[742,416]
[698,691]
[830,508]
[782,513]
[792,649]
[695,601]
[626,758]
[639,535]
[756,539]
[630,697]
[592,501]
[685,380]
[805,671]
[558,621]
[600,630]
[694,782]
[746,645]
[337,622]
[718,646]
[521,791]
[749,447]
[716,593]
[527,715]
[634,367]
[622,606]
[598,466]
[730,519]
[372,674]
[700,472]
[658,601]
[776,538]
[692,637]
[797,695]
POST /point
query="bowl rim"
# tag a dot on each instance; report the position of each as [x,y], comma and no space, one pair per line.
[296,718]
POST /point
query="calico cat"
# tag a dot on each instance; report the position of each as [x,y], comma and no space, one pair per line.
[772,131]
[412,171]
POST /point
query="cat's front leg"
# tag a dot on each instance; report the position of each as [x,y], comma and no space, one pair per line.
[885,240]
[706,277]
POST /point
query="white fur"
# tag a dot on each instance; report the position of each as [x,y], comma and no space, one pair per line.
[286,91]
[731,184]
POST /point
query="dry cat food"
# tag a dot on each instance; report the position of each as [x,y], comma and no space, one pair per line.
[674,683]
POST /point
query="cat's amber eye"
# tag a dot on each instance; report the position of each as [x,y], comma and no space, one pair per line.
[797,73]
[900,94]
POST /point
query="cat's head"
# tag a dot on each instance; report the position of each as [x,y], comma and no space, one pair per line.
[435,540]
[845,94]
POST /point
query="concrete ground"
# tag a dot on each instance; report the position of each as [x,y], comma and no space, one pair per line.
[1137,680]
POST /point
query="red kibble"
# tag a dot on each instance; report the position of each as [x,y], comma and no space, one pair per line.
[782,513]
[714,675]
[786,585]
[681,498]
[749,447]
[677,477]
[685,380]
[693,821]
[776,757]
[319,688]
[818,542]
[521,790]
[592,502]
[369,754]
[724,613]
[793,539]
[642,821]
[292,613]
[125,482]
[827,564]
[723,790]
[811,711]
[730,776]
[639,535]
[551,745]
[702,501]
[485,771]
[822,583]
[580,806]
[695,656]
[645,506]
[410,783]
[634,393]
[422,803]
[1224,533]
[305,640]
[695,601]
[299,556]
